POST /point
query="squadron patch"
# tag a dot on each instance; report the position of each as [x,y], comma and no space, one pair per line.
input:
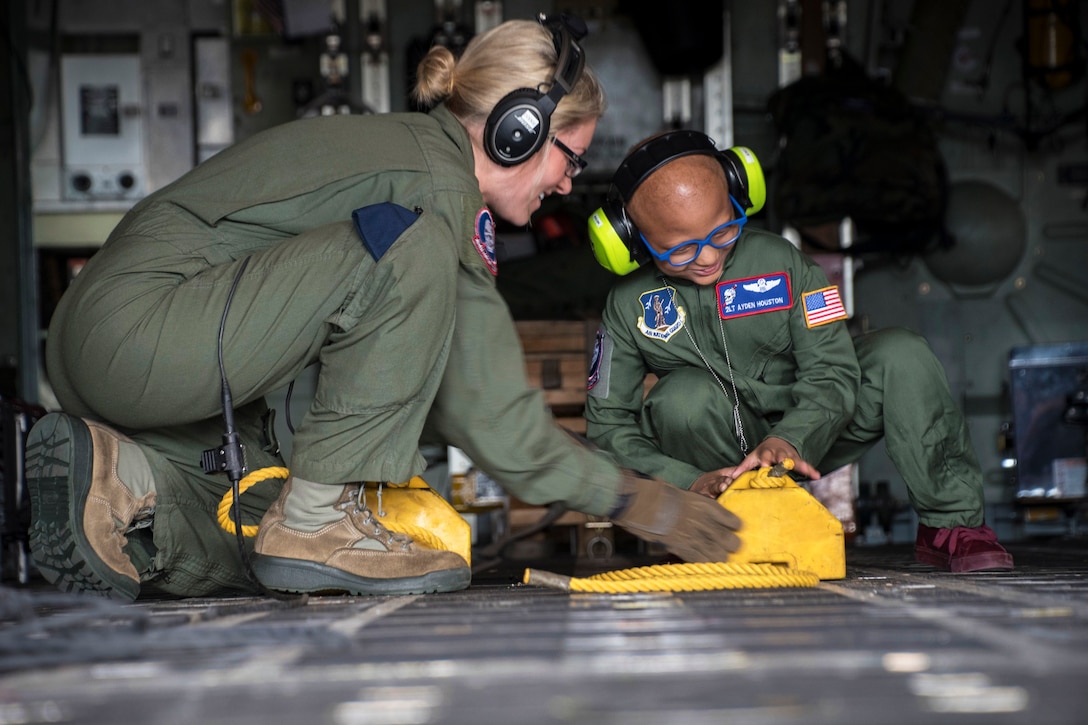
[754,295]
[600,365]
[484,239]
[823,306]
[661,317]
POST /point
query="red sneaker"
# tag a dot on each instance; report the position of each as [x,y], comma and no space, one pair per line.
[961,549]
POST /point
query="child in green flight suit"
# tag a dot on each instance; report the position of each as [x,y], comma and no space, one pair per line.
[754,360]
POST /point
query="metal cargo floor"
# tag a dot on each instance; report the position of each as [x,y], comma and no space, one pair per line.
[893,642]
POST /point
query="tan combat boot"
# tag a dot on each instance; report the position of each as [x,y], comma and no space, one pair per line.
[354,553]
[89,485]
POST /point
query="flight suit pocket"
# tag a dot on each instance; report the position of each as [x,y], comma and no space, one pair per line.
[380,225]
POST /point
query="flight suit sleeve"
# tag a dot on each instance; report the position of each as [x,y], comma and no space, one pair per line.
[614,404]
[486,407]
[828,377]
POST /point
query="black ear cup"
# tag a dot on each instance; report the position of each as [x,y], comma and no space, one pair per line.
[737,178]
[517,127]
[745,175]
[617,215]
[626,230]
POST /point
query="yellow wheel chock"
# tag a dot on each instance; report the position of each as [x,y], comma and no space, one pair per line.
[412,508]
[788,539]
[416,509]
[784,524]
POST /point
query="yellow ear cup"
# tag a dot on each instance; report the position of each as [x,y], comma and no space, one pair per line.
[608,246]
[751,176]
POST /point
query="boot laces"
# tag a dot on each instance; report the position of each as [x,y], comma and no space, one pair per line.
[962,535]
[369,525]
[144,516]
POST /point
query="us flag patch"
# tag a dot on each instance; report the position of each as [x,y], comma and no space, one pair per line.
[823,306]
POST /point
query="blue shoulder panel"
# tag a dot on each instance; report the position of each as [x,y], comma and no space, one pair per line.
[379,225]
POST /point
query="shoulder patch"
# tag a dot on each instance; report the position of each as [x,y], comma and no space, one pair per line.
[661,317]
[484,239]
[600,366]
[379,225]
[754,295]
[823,306]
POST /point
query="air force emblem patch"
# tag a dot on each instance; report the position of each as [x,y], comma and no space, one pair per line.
[661,317]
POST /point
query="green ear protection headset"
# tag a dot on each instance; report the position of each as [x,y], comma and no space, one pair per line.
[614,237]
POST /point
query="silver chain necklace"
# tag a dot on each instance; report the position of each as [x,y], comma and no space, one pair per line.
[738,425]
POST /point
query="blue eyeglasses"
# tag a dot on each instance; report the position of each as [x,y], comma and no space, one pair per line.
[721,237]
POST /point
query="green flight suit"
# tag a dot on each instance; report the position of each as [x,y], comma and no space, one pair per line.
[408,332]
[830,396]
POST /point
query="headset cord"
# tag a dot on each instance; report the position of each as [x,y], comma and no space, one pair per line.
[232,460]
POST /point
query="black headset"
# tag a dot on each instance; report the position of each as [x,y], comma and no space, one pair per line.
[517,126]
[613,236]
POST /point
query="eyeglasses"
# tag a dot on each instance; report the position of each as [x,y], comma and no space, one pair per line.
[575,163]
[724,235]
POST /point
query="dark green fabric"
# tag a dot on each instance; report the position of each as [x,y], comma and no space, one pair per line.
[194,555]
[485,407]
[831,397]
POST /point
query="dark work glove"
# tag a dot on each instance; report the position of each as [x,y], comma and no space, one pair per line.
[691,526]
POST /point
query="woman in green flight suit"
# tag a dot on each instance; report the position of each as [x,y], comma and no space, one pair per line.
[754,361]
[362,244]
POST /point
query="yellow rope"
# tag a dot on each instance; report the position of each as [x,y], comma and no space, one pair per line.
[418,534]
[677,578]
[244,485]
[769,476]
[688,569]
